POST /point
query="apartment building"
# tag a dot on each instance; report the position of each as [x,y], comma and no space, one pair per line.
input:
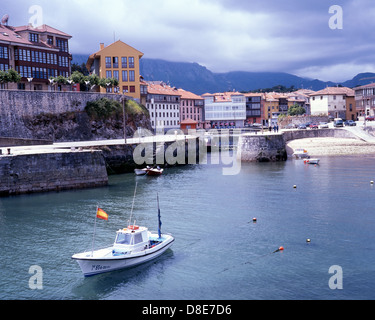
[365,100]
[226,109]
[271,108]
[37,54]
[331,101]
[163,103]
[192,108]
[120,61]
[254,108]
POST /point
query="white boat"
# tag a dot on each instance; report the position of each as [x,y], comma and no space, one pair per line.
[301,154]
[141,172]
[312,161]
[133,245]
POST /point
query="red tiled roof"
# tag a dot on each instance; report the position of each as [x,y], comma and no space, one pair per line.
[370,85]
[8,34]
[334,91]
[188,121]
[188,95]
[161,88]
[42,29]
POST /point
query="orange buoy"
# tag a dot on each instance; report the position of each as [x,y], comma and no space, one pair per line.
[254,219]
[281,248]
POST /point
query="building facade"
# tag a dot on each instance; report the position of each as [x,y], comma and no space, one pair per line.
[192,108]
[163,104]
[119,61]
[254,108]
[226,109]
[331,101]
[37,54]
[365,100]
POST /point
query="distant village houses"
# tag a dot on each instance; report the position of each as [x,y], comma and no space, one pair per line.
[41,54]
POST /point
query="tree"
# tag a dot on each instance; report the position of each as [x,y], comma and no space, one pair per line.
[295,110]
[14,76]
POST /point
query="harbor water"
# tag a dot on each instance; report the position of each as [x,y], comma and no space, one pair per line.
[220,252]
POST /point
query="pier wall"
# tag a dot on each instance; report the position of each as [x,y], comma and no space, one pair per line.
[56,171]
[318,133]
[17,107]
[263,148]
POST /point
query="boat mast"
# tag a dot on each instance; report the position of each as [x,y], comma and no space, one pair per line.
[131,212]
[93,236]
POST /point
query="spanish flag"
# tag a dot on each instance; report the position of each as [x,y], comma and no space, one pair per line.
[101,214]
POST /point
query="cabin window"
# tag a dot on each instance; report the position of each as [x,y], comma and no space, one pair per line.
[123,238]
[138,238]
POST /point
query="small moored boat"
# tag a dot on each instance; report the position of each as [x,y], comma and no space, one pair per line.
[133,245]
[301,154]
[312,161]
[155,171]
[141,172]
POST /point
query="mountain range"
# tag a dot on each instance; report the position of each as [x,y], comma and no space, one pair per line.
[199,80]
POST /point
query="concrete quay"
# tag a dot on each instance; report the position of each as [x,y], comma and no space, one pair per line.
[85,164]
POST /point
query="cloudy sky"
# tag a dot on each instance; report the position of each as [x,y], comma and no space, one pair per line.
[294,36]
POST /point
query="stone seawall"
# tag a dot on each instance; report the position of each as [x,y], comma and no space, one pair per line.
[263,148]
[17,107]
[317,133]
[52,171]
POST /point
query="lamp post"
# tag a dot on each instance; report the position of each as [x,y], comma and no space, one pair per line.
[30,80]
[124,116]
[50,82]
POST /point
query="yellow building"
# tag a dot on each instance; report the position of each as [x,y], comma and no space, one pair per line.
[119,61]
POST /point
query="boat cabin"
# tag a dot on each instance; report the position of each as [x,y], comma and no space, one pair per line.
[132,238]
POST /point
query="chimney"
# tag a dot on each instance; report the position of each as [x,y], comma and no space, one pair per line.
[101,46]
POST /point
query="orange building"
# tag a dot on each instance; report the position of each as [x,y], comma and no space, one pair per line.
[119,61]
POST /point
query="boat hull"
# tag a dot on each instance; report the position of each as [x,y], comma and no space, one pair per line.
[140,172]
[94,265]
[312,161]
[154,172]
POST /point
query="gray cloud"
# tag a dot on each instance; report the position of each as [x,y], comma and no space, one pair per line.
[223,35]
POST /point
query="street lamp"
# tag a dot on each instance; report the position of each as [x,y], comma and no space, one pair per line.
[123,98]
[30,80]
[50,82]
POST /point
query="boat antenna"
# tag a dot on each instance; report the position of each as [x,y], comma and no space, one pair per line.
[159,218]
[131,212]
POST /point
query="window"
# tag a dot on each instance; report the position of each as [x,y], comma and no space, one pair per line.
[33,37]
[123,238]
[124,76]
[116,75]
[50,40]
[108,63]
[4,53]
[132,88]
[62,44]
[115,62]
[108,74]
[124,62]
[131,62]
[125,89]
[131,75]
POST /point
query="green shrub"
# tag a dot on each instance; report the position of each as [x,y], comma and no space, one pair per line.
[103,108]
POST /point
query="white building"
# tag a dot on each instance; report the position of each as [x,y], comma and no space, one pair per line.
[225,109]
[163,104]
[330,101]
